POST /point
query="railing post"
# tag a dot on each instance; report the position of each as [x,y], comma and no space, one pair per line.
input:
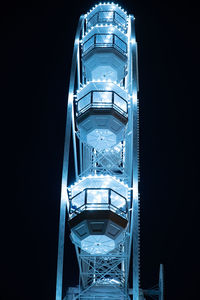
[91,98]
[95,40]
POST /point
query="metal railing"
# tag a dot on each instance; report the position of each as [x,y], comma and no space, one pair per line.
[98,199]
[104,40]
[107,17]
[102,99]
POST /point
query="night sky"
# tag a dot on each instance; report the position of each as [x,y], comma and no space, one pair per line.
[37,43]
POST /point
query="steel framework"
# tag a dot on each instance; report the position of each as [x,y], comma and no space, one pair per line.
[104,275]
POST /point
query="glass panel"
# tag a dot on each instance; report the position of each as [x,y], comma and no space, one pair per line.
[97,196]
[92,21]
[106,16]
[89,43]
[102,97]
[120,102]
[118,201]
[84,101]
[119,19]
[119,43]
[78,200]
[104,39]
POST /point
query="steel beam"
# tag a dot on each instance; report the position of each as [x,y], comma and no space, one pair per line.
[64,203]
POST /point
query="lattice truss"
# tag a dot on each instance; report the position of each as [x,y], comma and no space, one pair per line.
[103,270]
[108,161]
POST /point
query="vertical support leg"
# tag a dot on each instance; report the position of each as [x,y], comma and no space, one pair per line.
[64,197]
[60,252]
[63,204]
[161,283]
[135,206]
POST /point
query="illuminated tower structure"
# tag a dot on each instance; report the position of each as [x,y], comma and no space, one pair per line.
[101,207]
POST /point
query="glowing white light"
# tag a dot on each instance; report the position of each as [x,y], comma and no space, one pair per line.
[115,281]
[99,181]
[111,26]
[101,139]
[134,97]
[117,148]
[113,7]
[97,244]
[135,191]
[133,41]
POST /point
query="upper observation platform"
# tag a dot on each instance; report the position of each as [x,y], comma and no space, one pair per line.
[104,53]
[107,13]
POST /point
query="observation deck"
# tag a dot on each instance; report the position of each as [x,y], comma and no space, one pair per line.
[98,213]
[107,14]
[101,111]
[104,53]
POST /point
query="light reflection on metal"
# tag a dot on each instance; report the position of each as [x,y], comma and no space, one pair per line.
[102,205]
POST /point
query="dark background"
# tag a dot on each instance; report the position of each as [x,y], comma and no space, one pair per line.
[37,43]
